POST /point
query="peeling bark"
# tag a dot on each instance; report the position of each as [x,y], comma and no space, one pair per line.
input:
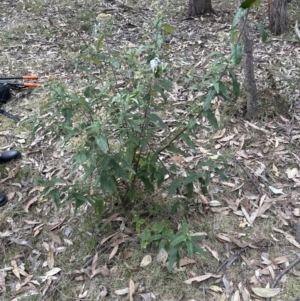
[199,7]
[250,82]
[278,17]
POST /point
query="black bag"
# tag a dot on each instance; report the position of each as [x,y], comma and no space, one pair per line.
[4,93]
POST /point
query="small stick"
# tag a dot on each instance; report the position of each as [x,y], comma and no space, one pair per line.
[279,276]
[249,176]
[228,262]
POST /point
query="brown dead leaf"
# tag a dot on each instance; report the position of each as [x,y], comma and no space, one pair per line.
[83,295]
[50,256]
[146,261]
[38,229]
[288,237]
[57,225]
[113,252]
[185,261]
[125,255]
[52,272]
[227,138]
[94,264]
[266,292]
[131,289]
[27,280]
[55,238]
[108,237]
[45,289]
[15,269]
[110,219]
[232,204]
[201,278]
[36,188]
[103,291]
[21,242]
[2,282]
[213,252]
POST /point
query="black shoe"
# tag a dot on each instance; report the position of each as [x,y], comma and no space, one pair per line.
[3,199]
[10,155]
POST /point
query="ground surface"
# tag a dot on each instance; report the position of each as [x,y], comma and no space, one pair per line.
[45,251]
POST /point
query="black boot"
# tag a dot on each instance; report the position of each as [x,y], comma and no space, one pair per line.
[10,155]
[3,199]
[7,156]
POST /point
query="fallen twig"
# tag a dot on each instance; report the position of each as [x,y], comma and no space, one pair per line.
[228,262]
[249,176]
[279,276]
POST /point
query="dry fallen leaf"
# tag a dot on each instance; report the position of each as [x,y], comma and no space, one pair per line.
[162,256]
[131,289]
[288,237]
[50,256]
[201,278]
[15,269]
[122,291]
[146,261]
[2,282]
[185,261]
[266,292]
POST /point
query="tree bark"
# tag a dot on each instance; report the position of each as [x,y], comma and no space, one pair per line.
[278,17]
[248,66]
[199,7]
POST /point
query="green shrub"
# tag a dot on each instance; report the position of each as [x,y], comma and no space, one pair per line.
[113,124]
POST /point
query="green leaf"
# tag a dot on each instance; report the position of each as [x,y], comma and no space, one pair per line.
[248,3]
[216,86]
[189,190]
[160,90]
[239,14]
[178,240]
[55,195]
[149,186]
[99,43]
[114,62]
[156,119]
[236,53]
[165,84]
[190,249]
[132,193]
[192,122]
[107,183]
[173,256]
[221,174]
[197,237]
[211,94]
[211,118]
[118,170]
[79,199]
[191,178]
[102,143]
[173,187]
[167,28]
[175,150]
[186,138]
[199,250]
[99,206]
[263,32]
[235,83]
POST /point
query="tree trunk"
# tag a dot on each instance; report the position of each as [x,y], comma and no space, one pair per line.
[278,16]
[199,7]
[248,66]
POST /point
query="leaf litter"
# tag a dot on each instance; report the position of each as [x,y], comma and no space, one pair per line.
[263,192]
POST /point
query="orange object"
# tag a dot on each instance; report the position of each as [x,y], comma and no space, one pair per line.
[31,85]
[32,76]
